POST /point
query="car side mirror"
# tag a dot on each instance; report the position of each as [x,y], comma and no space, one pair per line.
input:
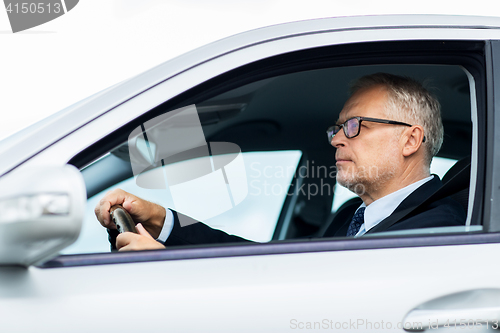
[41,212]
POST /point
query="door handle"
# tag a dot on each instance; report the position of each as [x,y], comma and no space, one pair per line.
[479,308]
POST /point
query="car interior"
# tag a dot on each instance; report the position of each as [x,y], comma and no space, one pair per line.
[286,103]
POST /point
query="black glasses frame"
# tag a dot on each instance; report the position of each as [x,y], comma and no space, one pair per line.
[333,130]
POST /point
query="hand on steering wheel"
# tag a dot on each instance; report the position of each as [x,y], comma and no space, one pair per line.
[150,215]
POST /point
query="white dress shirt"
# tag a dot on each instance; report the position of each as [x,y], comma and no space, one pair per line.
[374,213]
[168,225]
[378,210]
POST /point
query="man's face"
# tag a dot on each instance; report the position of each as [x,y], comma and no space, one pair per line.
[368,161]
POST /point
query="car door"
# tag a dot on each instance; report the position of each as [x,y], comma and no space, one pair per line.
[361,284]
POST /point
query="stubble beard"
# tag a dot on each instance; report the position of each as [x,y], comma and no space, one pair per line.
[368,179]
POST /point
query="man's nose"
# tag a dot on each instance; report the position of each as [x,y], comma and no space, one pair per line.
[339,139]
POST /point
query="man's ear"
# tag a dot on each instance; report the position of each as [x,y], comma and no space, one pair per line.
[413,136]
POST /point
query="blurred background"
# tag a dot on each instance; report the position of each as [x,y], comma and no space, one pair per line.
[102,42]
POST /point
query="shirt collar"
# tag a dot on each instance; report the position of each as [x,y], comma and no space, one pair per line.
[385,206]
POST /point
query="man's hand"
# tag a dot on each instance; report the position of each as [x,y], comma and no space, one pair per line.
[151,215]
[128,241]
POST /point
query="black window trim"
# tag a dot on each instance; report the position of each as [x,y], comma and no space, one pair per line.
[492,153]
[272,248]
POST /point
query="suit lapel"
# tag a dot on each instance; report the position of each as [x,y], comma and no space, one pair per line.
[413,200]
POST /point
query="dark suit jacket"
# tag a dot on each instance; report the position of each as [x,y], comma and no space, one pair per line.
[445,212]
[442,213]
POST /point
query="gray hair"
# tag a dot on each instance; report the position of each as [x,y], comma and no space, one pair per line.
[419,105]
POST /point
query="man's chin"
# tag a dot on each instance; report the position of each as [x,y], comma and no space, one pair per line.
[352,185]
[346,180]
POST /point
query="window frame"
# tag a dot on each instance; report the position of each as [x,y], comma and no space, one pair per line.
[351,54]
[283,247]
[492,153]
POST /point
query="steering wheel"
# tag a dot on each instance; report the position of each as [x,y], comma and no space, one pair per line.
[122,219]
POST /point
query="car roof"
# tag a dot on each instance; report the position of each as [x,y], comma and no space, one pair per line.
[28,142]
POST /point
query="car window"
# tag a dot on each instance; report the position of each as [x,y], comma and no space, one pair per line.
[268,177]
[275,128]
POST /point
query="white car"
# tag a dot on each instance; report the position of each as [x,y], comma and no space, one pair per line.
[258,104]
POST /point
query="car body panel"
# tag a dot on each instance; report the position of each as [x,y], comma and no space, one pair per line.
[224,294]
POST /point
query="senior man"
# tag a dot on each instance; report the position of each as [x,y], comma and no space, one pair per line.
[385,138]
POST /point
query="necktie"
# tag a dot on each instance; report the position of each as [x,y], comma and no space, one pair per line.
[357,221]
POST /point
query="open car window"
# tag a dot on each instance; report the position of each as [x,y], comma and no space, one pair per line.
[278,125]
[267,176]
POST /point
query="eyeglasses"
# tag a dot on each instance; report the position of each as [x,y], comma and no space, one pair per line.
[352,126]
